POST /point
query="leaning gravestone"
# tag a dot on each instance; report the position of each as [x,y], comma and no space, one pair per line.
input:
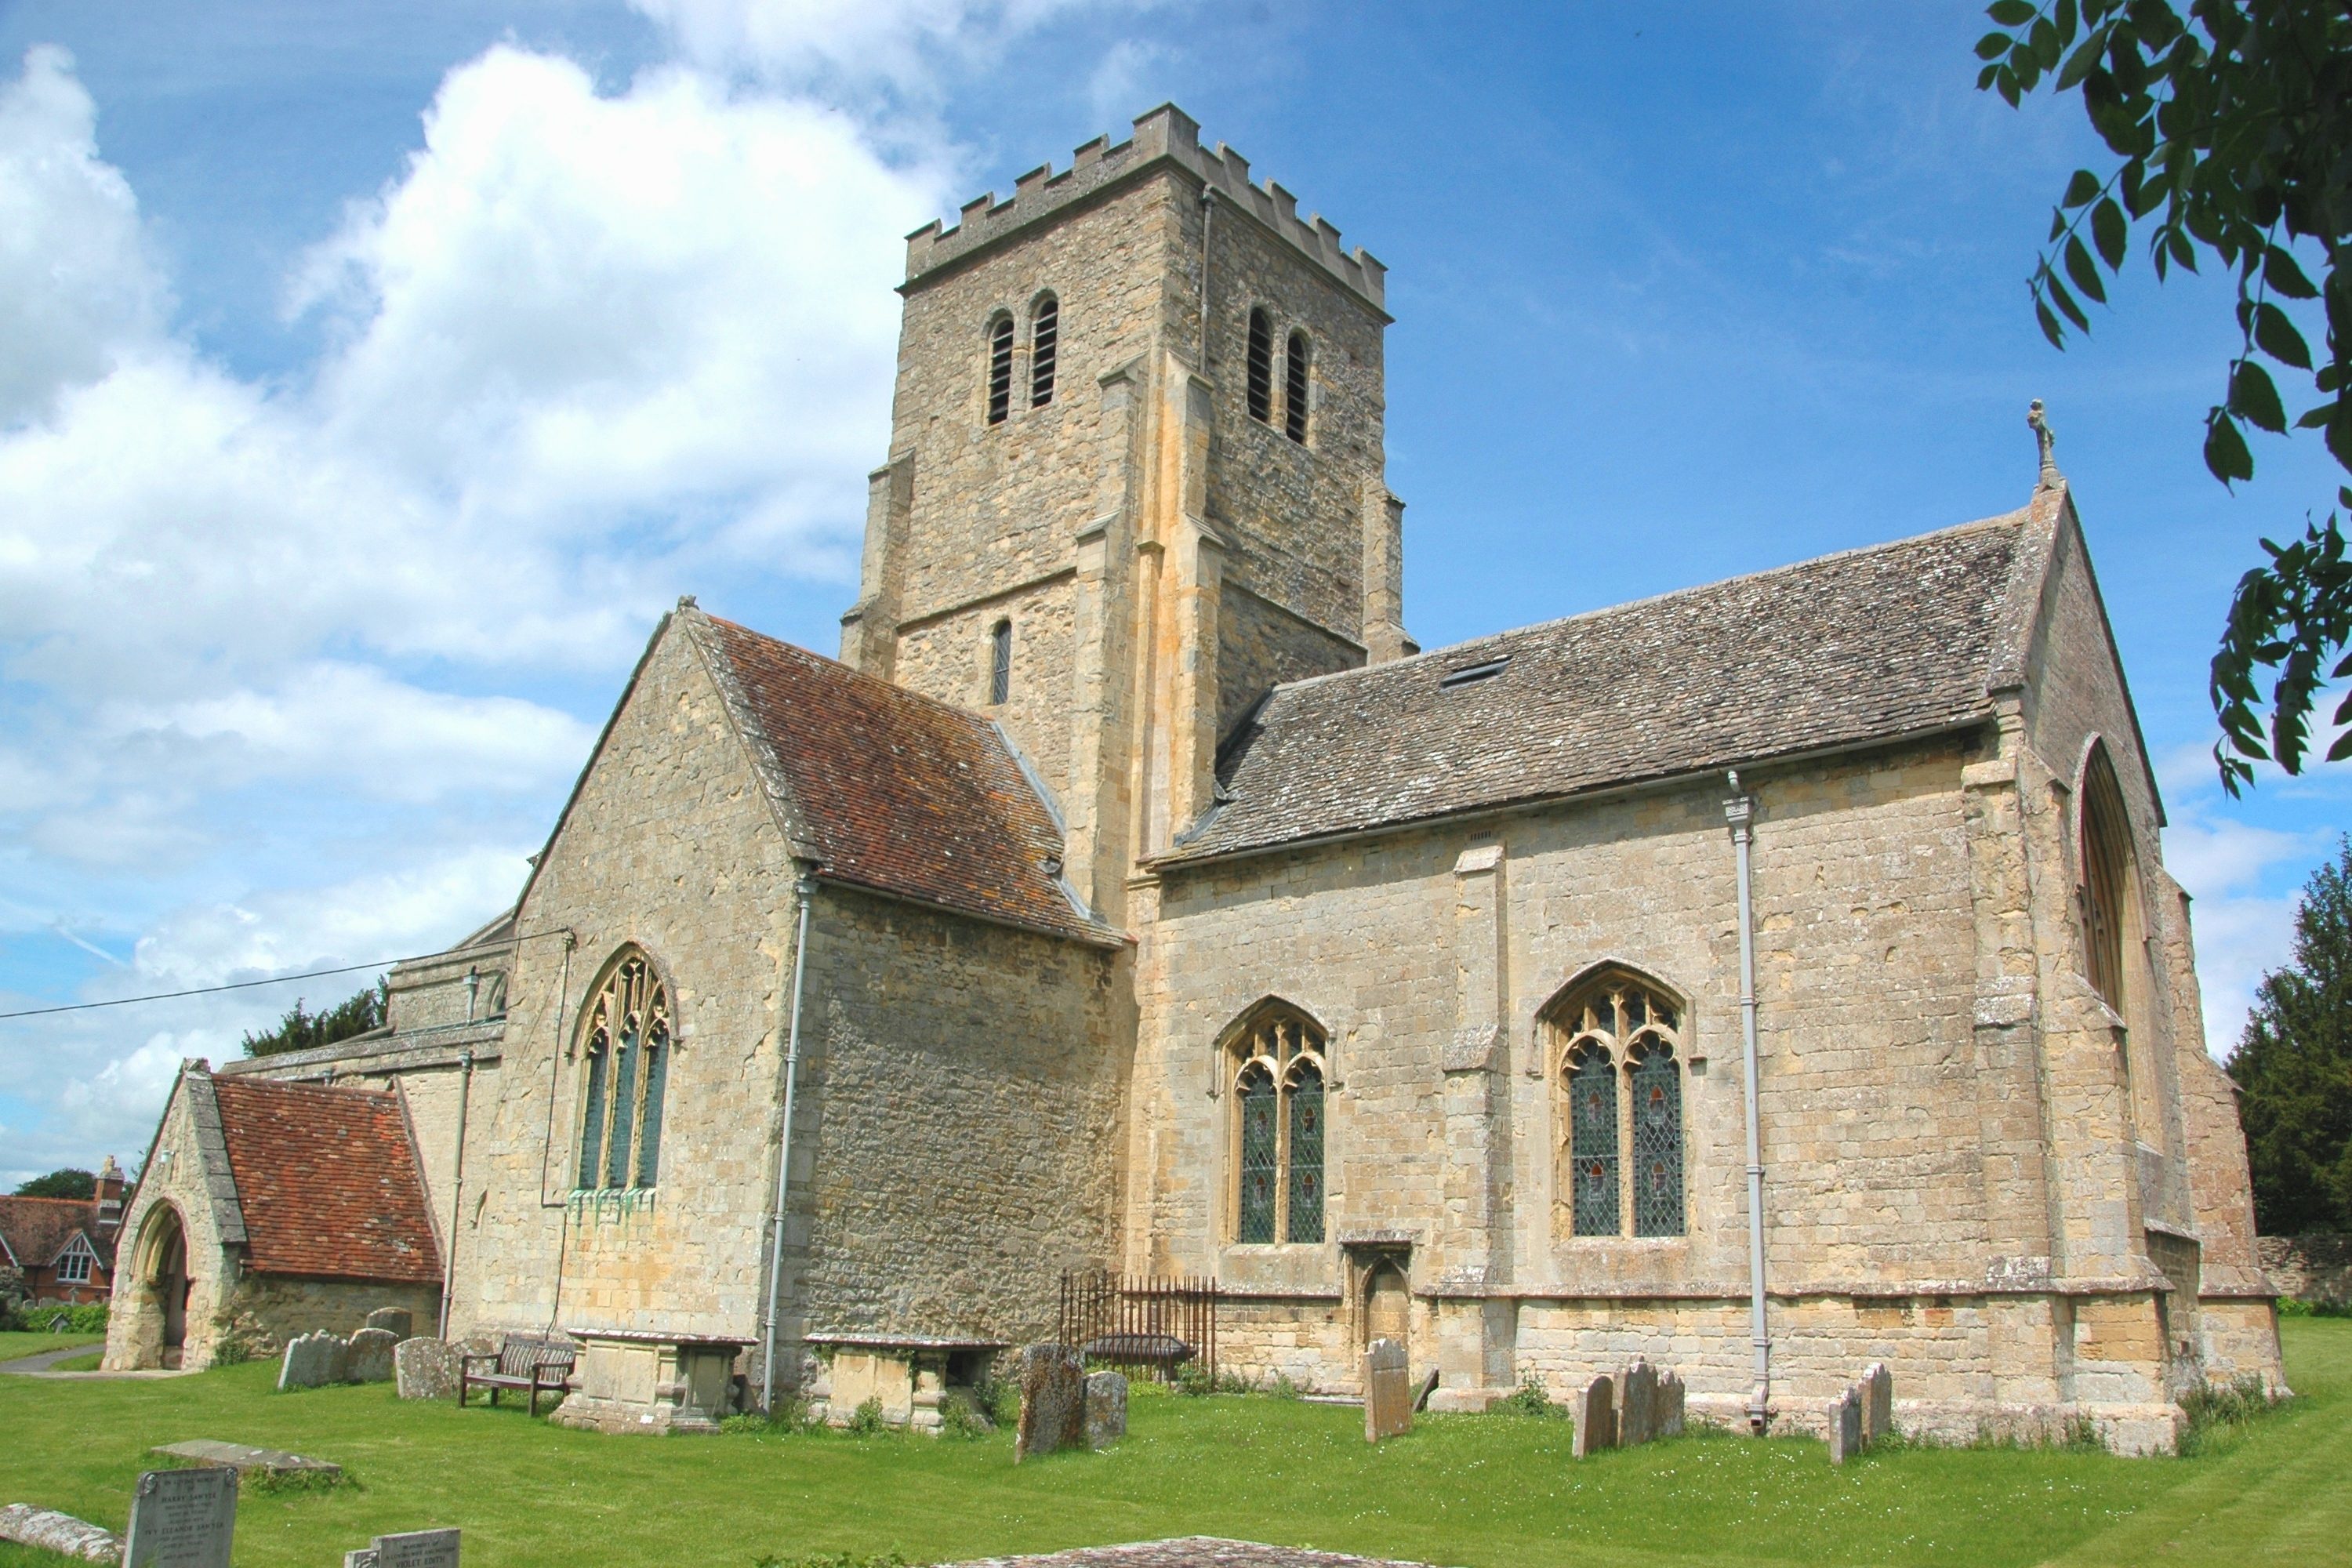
[1388,1392]
[1636,1394]
[1845,1426]
[1052,1401]
[313,1360]
[1877,1403]
[1667,1416]
[414,1549]
[370,1357]
[1596,1417]
[182,1519]
[1106,1408]
[397,1321]
[426,1369]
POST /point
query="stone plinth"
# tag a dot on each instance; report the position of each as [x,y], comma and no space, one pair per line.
[629,1381]
[904,1376]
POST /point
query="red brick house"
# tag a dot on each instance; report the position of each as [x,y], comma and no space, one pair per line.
[63,1249]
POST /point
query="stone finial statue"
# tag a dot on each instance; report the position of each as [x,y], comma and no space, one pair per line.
[2046,438]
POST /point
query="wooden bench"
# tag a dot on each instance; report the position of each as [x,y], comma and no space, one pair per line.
[522,1362]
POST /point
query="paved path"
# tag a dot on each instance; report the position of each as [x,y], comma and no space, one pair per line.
[1187,1552]
[39,1365]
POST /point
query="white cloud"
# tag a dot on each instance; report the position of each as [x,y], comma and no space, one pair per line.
[852,44]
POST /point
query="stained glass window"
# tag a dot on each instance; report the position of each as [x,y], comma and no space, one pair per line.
[1279,1109]
[1261,1167]
[1620,1125]
[1592,1140]
[625,1046]
[1306,1154]
[1657,1096]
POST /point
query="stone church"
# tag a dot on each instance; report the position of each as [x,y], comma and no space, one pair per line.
[1767,978]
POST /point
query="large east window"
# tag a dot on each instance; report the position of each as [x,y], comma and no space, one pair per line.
[1276,1068]
[625,1046]
[1618,1107]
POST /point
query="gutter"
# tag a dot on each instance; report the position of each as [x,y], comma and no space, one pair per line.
[805,889]
[1741,812]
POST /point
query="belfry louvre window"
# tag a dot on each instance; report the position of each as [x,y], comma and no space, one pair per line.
[1000,369]
[1000,662]
[1261,368]
[1278,1070]
[1619,1109]
[1044,342]
[624,1044]
[2106,878]
[1294,392]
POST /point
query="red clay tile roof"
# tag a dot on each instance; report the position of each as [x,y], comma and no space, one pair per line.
[899,793]
[328,1180]
[37,1230]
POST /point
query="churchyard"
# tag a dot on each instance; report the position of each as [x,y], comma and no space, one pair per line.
[1499,1488]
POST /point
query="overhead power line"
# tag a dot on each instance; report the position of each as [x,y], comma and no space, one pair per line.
[210,990]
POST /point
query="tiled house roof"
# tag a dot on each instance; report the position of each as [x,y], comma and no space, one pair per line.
[1893,640]
[895,791]
[328,1182]
[34,1230]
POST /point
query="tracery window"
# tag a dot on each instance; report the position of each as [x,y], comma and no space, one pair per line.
[1620,1109]
[1294,394]
[625,1042]
[1044,342]
[1277,1069]
[1000,662]
[1261,367]
[1000,369]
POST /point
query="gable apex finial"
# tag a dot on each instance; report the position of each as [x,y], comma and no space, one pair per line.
[2046,440]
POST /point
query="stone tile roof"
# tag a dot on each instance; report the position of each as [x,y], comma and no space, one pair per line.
[896,791]
[1891,640]
[328,1182]
[37,1230]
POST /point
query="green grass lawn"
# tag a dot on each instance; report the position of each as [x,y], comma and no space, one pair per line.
[1487,1489]
[14,1346]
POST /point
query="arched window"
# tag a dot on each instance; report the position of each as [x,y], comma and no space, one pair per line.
[625,1041]
[1261,367]
[1618,1115]
[1000,369]
[1044,339]
[1000,662]
[2106,878]
[1277,1067]
[1294,389]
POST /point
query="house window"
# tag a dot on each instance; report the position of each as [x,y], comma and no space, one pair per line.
[1294,392]
[73,1266]
[1277,1069]
[1619,1113]
[1045,340]
[1261,367]
[625,1039]
[1000,662]
[1000,369]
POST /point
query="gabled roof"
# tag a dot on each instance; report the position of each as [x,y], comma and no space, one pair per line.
[1874,644]
[36,1230]
[327,1180]
[890,790]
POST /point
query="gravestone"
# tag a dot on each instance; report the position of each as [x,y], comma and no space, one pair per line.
[59,1533]
[313,1360]
[397,1321]
[242,1457]
[1052,1401]
[1845,1426]
[1877,1403]
[1636,1397]
[182,1519]
[1668,1413]
[1388,1391]
[1106,1408]
[370,1358]
[1596,1417]
[426,1369]
[413,1549]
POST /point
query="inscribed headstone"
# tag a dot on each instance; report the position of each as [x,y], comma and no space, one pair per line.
[370,1359]
[182,1519]
[1052,1401]
[414,1549]
[1636,1397]
[1877,1403]
[1388,1391]
[426,1369]
[1668,1413]
[1106,1408]
[1845,1426]
[313,1360]
[397,1321]
[1596,1417]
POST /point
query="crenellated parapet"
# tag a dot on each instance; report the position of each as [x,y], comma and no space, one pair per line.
[1165,135]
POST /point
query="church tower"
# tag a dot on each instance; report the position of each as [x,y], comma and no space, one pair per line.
[1135,479]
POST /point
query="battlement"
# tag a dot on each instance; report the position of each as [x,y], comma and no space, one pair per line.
[1165,135]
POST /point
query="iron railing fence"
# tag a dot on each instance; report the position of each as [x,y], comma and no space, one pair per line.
[1150,1324]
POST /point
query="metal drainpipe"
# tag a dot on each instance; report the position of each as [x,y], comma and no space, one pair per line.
[1741,812]
[806,890]
[456,1187]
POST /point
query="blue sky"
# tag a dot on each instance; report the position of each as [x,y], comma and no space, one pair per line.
[371,376]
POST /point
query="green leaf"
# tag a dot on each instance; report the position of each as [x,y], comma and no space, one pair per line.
[2184,254]
[2254,399]
[2009,13]
[2081,188]
[2226,457]
[2109,231]
[2053,331]
[2005,83]
[2046,44]
[2339,433]
[2065,303]
[2084,273]
[2312,418]
[2277,337]
[2283,278]
[2080,63]
[1992,46]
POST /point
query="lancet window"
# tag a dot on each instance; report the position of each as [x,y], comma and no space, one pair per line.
[625,1046]
[2106,878]
[1000,662]
[1294,392]
[1261,367]
[1276,1068]
[1044,344]
[1000,369]
[1619,1109]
